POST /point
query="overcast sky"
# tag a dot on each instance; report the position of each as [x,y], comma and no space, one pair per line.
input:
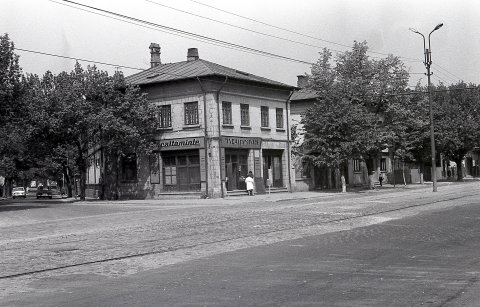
[49,27]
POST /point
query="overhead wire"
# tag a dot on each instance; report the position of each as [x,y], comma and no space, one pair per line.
[292,31]
[147,27]
[258,32]
[189,34]
[444,75]
[448,72]
[180,75]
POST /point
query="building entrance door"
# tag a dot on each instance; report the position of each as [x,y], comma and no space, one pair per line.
[272,164]
[236,169]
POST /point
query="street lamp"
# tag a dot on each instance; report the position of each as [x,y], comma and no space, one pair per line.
[428,63]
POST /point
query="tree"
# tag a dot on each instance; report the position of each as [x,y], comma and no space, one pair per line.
[348,120]
[12,114]
[86,110]
[457,121]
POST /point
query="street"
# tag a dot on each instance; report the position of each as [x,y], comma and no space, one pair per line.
[397,247]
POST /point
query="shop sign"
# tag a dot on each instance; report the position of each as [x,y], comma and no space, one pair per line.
[181,144]
[239,142]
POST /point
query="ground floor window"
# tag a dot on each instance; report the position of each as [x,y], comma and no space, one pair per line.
[181,171]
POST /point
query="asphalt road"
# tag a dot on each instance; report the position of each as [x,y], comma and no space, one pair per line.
[407,248]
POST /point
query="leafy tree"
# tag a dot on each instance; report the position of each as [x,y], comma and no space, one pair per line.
[87,110]
[457,121]
[349,121]
[12,114]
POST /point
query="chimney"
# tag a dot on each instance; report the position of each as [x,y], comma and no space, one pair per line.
[192,54]
[154,55]
[302,81]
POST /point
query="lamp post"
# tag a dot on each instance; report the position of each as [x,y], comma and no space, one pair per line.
[428,63]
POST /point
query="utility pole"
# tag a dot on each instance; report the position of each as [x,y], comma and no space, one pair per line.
[428,63]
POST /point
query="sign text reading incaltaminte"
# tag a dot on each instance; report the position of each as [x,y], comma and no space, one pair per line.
[179,144]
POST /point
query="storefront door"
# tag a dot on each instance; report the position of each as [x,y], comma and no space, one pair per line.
[236,169]
[272,164]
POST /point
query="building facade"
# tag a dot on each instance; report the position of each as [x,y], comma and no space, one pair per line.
[217,124]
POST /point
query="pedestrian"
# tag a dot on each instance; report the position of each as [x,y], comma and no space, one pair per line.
[249,182]
[380,179]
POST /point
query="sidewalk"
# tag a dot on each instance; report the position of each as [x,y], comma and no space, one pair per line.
[273,197]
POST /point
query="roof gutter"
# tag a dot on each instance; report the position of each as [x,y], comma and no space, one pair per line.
[289,158]
[222,178]
[205,133]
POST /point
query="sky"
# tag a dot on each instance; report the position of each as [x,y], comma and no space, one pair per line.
[49,26]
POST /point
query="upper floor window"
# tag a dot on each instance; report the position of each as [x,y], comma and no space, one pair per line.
[165,116]
[227,112]
[264,115]
[191,113]
[279,118]
[244,114]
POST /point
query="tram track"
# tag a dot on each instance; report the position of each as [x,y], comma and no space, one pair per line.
[259,233]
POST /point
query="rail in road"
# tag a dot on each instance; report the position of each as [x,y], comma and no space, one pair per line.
[329,219]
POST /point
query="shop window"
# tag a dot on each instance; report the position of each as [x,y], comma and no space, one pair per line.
[181,172]
[264,114]
[383,165]
[356,165]
[280,118]
[191,113]
[227,112]
[129,167]
[244,114]
[165,116]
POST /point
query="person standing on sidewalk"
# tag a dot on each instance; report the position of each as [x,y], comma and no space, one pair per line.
[249,182]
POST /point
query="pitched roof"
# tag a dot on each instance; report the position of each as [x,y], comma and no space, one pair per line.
[304,94]
[192,69]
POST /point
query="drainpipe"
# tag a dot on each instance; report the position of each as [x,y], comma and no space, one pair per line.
[206,136]
[288,144]
[220,134]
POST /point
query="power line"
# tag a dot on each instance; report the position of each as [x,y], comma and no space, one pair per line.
[445,70]
[255,31]
[149,27]
[96,62]
[293,32]
[439,79]
[77,59]
[180,75]
[238,27]
[445,76]
[190,34]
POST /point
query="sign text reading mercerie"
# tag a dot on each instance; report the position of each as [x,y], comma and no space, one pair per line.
[239,142]
[179,144]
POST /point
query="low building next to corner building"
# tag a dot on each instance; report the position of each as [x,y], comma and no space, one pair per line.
[218,124]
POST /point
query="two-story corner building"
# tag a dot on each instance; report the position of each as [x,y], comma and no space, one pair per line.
[217,124]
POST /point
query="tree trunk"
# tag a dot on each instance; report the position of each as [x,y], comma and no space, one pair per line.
[459,169]
[68,181]
[403,173]
[422,167]
[337,178]
[82,168]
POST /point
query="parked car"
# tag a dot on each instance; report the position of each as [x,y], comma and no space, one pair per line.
[43,191]
[19,192]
